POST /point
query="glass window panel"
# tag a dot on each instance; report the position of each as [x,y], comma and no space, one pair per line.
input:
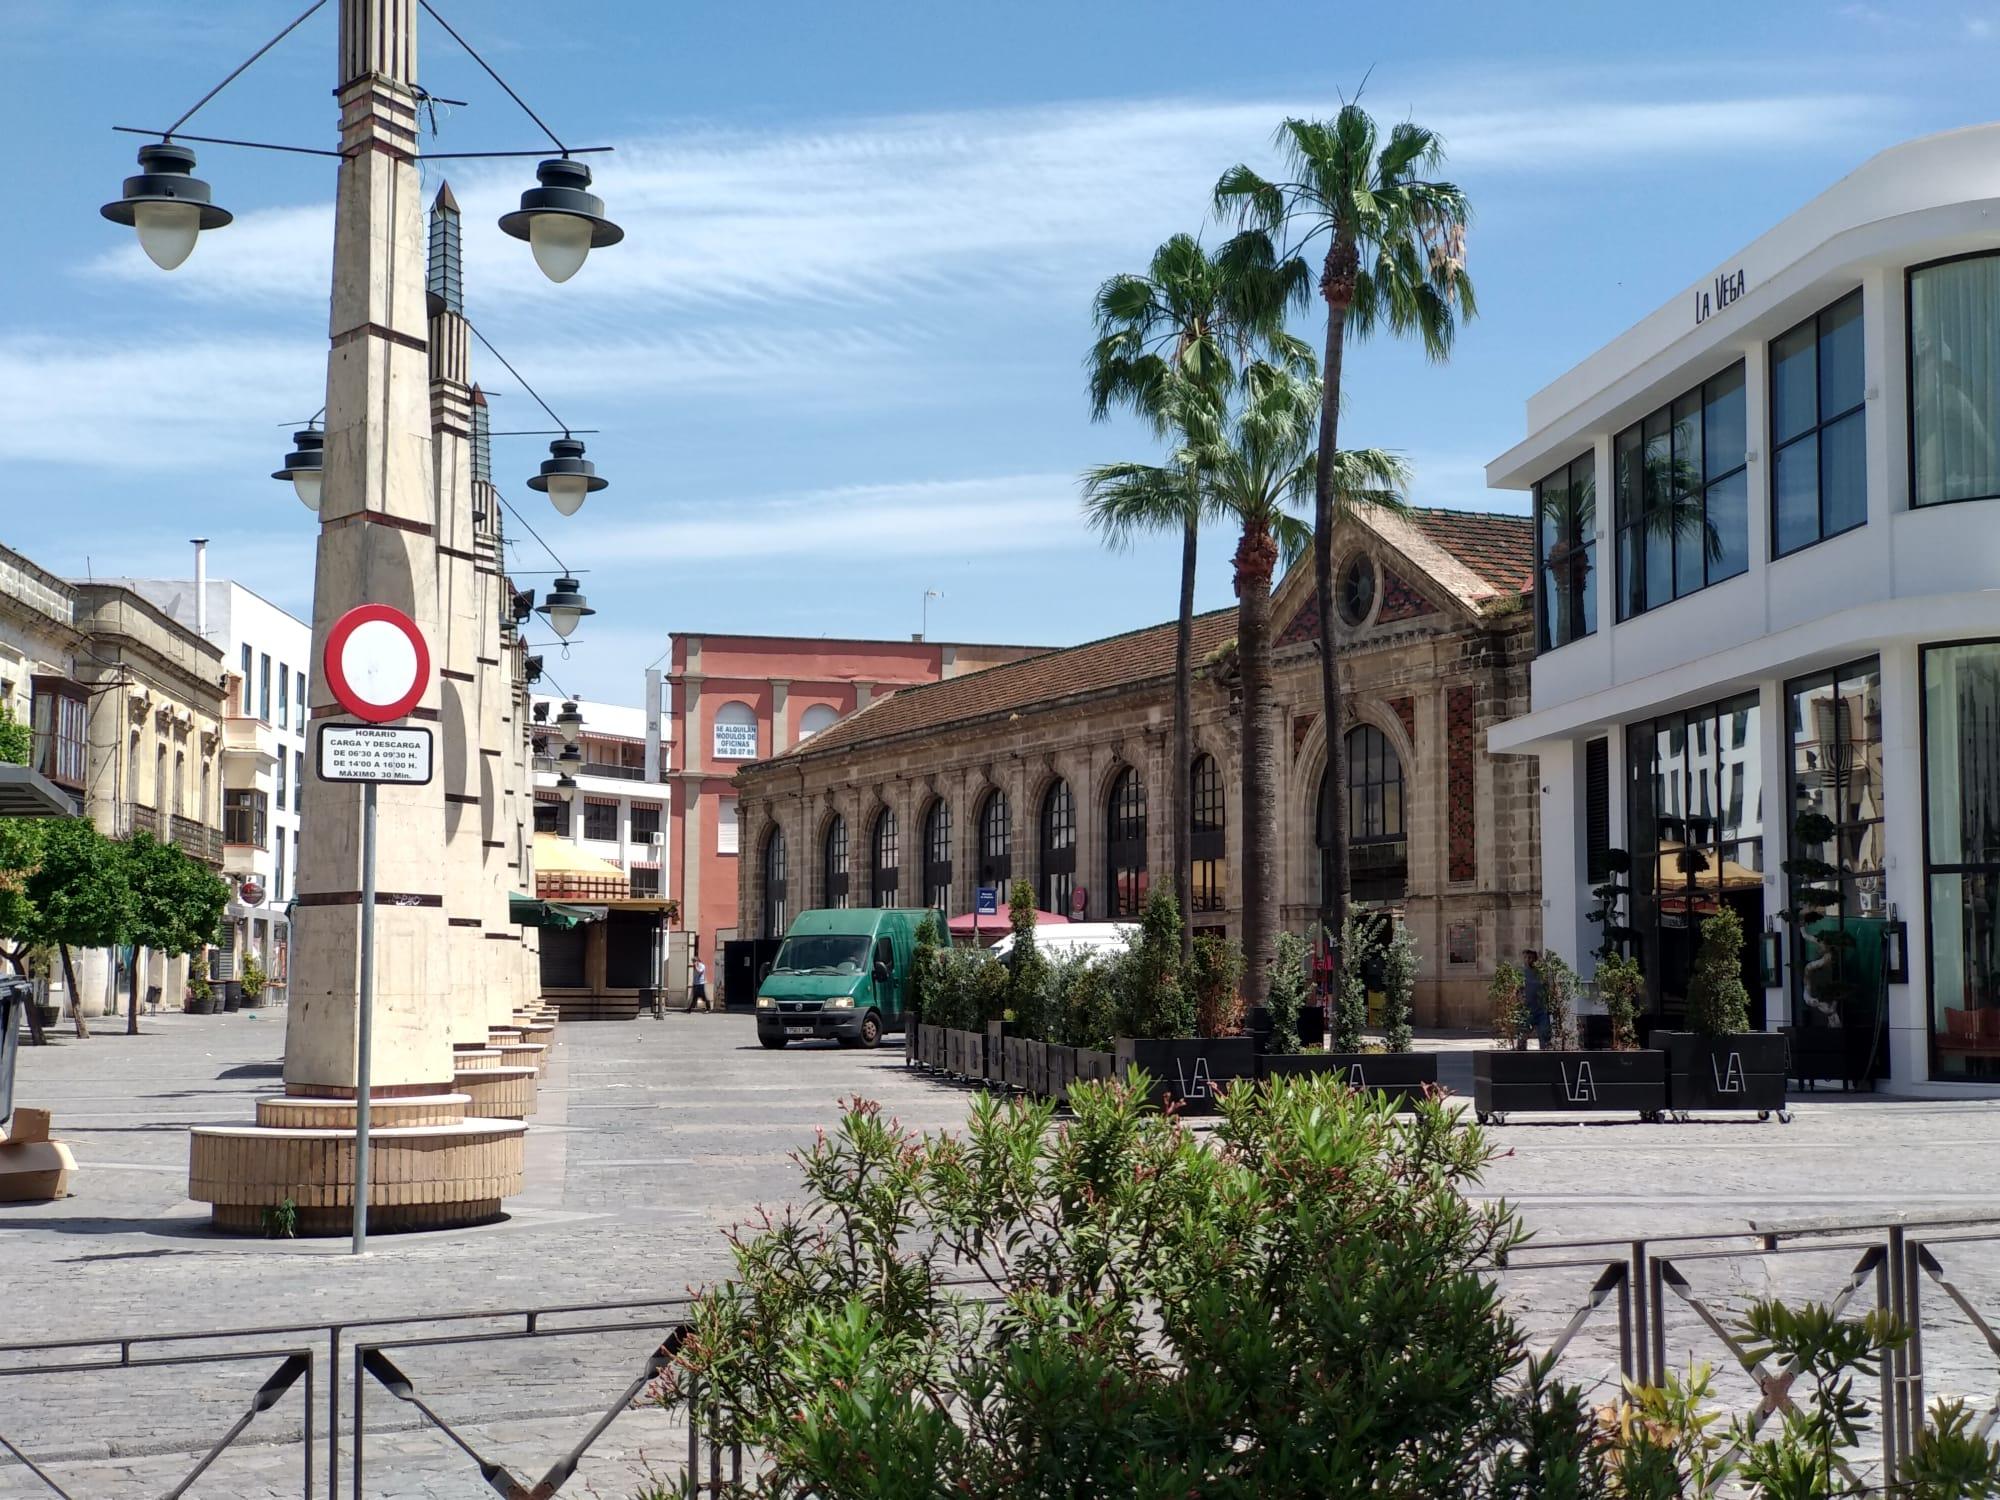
[1842,377]
[1723,423]
[1794,385]
[1729,526]
[1795,496]
[1843,471]
[1955,379]
[1962,729]
[1625,464]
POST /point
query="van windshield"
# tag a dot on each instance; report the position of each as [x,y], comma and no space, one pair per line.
[824,953]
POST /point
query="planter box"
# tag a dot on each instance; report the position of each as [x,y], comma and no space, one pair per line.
[996,1053]
[48,1015]
[1188,1071]
[1403,1076]
[1061,1072]
[1093,1066]
[965,1055]
[1745,1070]
[927,1045]
[1013,1061]
[1505,1083]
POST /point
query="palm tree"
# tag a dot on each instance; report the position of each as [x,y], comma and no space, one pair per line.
[1252,463]
[1395,259]
[1192,316]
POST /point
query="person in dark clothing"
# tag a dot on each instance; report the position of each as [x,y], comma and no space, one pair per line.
[1536,1001]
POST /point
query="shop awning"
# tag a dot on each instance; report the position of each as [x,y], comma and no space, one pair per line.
[529,911]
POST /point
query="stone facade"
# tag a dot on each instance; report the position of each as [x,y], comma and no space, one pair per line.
[1439,656]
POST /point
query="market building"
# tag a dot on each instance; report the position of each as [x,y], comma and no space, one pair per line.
[738,698]
[1788,604]
[1044,769]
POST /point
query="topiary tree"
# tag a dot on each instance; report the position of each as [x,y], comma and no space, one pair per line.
[1290,987]
[1090,987]
[1399,988]
[1360,951]
[1718,1004]
[924,971]
[1620,984]
[1503,995]
[1559,986]
[1027,1004]
[1213,978]
[1155,1001]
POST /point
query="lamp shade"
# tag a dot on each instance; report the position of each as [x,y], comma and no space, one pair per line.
[569,723]
[167,204]
[566,788]
[564,607]
[305,465]
[566,476]
[562,220]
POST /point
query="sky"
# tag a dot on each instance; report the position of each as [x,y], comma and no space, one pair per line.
[838,360]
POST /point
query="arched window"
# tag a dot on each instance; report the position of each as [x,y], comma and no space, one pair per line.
[735,732]
[1209,877]
[835,861]
[1058,848]
[160,787]
[207,812]
[817,717]
[883,873]
[180,783]
[774,883]
[1377,849]
[937,856]
[996,844]
[1125,845]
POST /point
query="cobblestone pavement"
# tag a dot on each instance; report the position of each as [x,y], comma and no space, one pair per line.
[652,1137]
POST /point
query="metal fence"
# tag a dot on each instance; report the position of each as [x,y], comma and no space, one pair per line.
[1608,1311]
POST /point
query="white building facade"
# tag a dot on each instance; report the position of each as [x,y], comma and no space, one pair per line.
[1768,612]
[619,812]
[266,652]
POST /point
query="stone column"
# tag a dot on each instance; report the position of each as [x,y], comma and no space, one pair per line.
[499,804]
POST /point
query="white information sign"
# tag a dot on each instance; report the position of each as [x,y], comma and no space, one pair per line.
[373,752]
[735,741]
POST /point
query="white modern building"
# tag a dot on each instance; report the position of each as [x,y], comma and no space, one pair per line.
[1768,585]
[267,654]
[619,811]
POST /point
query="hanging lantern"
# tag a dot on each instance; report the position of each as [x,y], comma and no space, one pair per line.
[566,476]
[305,465]
[564,607]
[167,204]
[562,220]
[569,723]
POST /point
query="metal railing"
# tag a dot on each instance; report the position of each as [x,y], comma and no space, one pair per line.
[1618,1311]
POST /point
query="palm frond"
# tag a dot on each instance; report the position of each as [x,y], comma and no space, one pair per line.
[1123,501]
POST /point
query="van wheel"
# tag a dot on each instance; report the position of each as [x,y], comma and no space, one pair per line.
[871,1030]
[773,1042]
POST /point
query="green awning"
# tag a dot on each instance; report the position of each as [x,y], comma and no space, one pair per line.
[530,911]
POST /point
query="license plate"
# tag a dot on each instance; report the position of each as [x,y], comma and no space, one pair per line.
[798,1031]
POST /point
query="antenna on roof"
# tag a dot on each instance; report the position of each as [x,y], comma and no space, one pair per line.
[929,594]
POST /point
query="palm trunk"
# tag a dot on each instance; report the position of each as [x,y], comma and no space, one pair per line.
[1177,799]
[1256,558]
[1333,900]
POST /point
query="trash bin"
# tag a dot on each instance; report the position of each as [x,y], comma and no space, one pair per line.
[16,995]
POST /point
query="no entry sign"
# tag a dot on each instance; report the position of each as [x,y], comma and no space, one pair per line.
[376,662]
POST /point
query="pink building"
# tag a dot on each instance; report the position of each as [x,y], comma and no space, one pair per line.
[739,698]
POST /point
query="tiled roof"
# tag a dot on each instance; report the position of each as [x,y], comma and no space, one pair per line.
[1097,666]
[1499,548]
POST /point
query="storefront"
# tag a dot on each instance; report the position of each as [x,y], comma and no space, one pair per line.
[1767,668]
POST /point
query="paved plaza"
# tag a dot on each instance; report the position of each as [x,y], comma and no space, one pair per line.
[652,1138]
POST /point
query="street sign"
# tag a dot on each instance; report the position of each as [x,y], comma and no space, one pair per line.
[251,891]
[374,753]
[1079,901]
[377,662]
[986,902]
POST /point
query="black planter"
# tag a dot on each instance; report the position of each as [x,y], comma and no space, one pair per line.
[966,1055]
[48,1015]
[232,996]
[1093,1066]
[1579,1082]
[1744,1070]
[1403,1076]
[1190,1071]
[1013,1061]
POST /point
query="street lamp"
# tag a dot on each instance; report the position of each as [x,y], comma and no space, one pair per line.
[564,607]
[570,760]
[566,476]
[167,204]
[562,220]
[569,723]
[566,788]
[305,465]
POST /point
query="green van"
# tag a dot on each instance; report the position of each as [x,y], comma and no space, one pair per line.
[840,974]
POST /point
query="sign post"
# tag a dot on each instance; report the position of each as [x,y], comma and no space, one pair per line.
[377,663]
[985,903]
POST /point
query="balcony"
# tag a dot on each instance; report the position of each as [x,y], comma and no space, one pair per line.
[253,740]
[137,817]
[197,840]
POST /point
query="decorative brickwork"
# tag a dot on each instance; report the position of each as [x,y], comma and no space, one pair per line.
[1462,750]
[1301,727]
[1400,601]
[1405,710]
[1305,624]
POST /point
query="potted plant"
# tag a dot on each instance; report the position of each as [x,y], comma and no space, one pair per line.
[1561,1077]
[1620,985]
[1720,1063]
[1089,1017]
[200,995]
[1396,1070]
[919,1036]
[249,992]
[1158,1032]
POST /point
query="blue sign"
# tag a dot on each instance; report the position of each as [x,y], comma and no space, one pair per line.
[986,902]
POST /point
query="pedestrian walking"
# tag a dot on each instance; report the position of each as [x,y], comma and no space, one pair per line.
[699,994]
[1535,1000]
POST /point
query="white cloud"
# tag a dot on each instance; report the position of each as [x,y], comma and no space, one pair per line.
[926,518]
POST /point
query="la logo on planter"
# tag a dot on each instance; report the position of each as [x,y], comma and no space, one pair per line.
[1195,1085]
[1582,1086]
[1729,1076]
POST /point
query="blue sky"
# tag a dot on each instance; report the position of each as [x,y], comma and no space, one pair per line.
[837,360]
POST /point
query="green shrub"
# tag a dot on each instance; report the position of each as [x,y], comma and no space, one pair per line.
[1399,988]
[1620,984]
[970,989]
[1028,1000]
[1216,972]
[1503,994]
[924,967]
[1559,986]
[1089,986]
[1718,1004]
[1154,1000]
[1360,956]
[1291,986]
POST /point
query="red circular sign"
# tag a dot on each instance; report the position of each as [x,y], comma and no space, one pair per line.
[252,891]
[376,662]
[1079,901]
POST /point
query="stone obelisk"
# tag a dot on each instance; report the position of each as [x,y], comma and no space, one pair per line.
[435,1164]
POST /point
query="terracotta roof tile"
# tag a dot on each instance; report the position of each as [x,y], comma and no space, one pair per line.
[1499,548]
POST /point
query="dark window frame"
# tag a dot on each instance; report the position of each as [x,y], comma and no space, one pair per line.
[884,859]
[1207,836]
[996,843]
[833,862]
[1822,421]
[1910,383]
[1629,518]
[248,813]
[60,736]
[937,833]
[775,871]
[594,815]
[1125,872]
[1057,825]
[1931,870]
[1582,537]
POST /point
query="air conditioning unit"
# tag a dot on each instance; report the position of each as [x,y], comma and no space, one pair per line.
[656,840]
